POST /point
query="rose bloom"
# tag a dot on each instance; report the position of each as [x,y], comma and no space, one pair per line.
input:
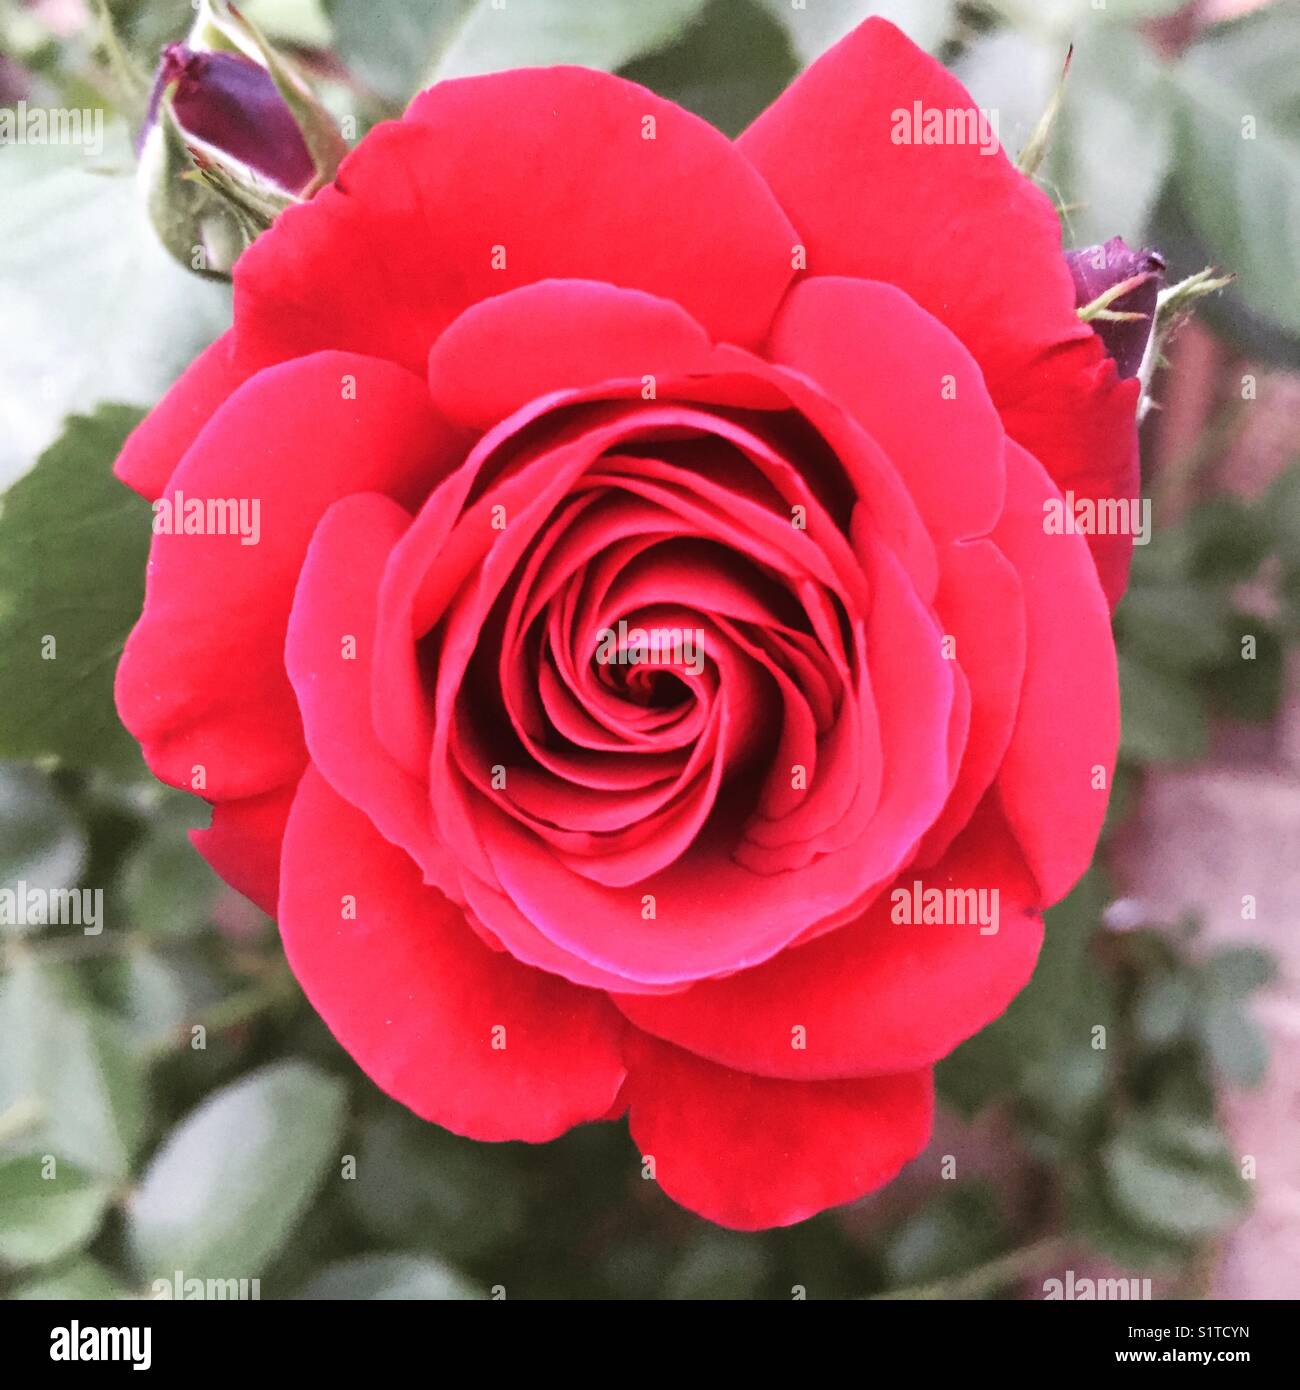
[553,360]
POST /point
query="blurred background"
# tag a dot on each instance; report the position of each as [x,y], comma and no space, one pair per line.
[1135,1112]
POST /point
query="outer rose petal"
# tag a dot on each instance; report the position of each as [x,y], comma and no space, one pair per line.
[981,607]
[335,602]
[202,678]
[154,448]
[549,168]
[967,237]
[876,996]
[1067,728]
[1099,458]
[888,362]
[749,1152]
[556,335]
[243,843]
[415,997]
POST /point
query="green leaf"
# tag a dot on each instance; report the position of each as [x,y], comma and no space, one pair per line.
[1248,688]
[230,1182]
[1015,73]
[957,1229]
[154,995]
[1163,717]
[1234,1045]
[81,1279]
[1238,971]
[728,67]
[44,1218]
[720,1264]
[1282,505]
[1113,1233]
[94,308]
[1236,1048]
[77,1064]
[538,33]
[1060,18]
[1114,140]
[1230,538]
[1175,1177]
[1180,1093]
[1174,627]
[1114,101]
[387,43]
[40,843]
[300,22]
[169,889]
[1164,1008]
[1043,1048]
[73,547]
[1248,333]
[814,27]
[1238,165]
[1131,11]
[388,1277]
[417,1184]
[1173,559]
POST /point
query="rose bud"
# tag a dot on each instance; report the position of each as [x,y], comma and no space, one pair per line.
[230,103]
[1115,289]
[232,137]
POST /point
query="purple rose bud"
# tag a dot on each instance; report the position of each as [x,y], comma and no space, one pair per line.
[1098,269]
[233,137]
[232,104]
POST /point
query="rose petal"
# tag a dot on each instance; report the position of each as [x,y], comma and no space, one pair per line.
[154,448]
[1056,776]
[202,679]
[963,233]
[981,607]
[749,1152]
[243,842]
[910,384]
[556,335]
[876,996]
[549,168]
[329,651]
[464,1036]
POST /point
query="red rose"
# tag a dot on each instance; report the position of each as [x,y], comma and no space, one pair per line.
[643,625]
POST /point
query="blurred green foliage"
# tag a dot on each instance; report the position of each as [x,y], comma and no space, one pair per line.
[264,1153]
